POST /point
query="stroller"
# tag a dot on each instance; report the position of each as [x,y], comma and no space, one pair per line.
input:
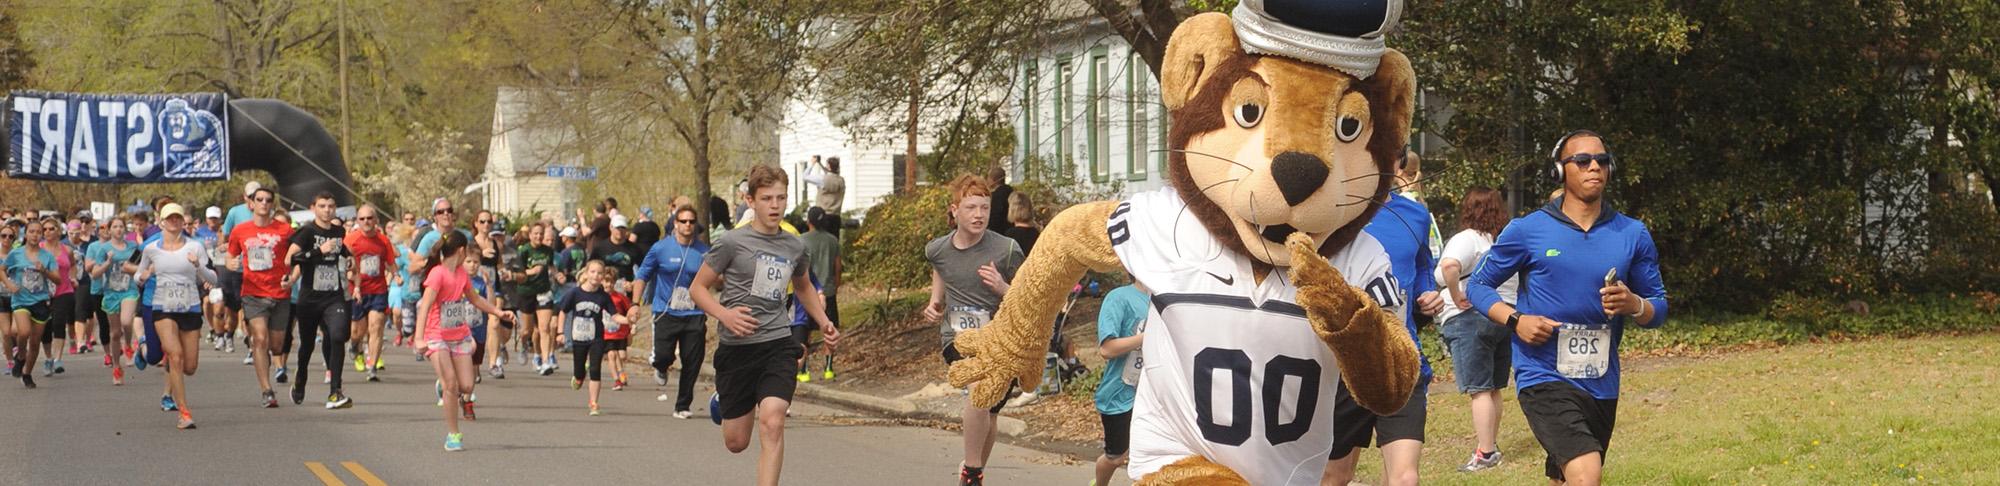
[1055,372]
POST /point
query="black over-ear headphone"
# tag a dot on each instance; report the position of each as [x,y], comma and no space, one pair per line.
[1555,154]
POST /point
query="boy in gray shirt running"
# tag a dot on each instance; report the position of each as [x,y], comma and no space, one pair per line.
[970,271]
[752,266]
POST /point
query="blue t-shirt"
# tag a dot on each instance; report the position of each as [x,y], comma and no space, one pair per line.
[93,254]
[1562,268]
[431,240]
[668,266]
[35,287]
[117,258]
[1123,311]
[237,215]
[1403,226]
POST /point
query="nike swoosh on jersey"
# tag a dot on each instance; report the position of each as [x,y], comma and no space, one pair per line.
[1231,280]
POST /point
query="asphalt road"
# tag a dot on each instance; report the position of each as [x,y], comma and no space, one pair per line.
[79,429]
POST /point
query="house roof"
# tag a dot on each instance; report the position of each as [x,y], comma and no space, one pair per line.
[532,143]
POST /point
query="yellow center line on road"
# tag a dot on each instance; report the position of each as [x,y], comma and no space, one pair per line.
[325,476]
[367,478]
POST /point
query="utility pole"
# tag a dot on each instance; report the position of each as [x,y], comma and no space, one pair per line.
[342,14]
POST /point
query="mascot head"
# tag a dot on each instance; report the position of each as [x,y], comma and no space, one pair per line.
[1288,118]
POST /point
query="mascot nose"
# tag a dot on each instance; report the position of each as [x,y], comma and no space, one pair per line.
[1298,175]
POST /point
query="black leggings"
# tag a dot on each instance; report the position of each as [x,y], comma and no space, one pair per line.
[686,337]
[594,353]
[313,316]
[96,309]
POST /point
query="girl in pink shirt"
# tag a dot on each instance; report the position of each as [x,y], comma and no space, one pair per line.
[450,307]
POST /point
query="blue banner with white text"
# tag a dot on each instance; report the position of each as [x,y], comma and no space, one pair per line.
[117,138]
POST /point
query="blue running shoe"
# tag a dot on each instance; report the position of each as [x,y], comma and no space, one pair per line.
[715,408]
[454,442]
[167,403]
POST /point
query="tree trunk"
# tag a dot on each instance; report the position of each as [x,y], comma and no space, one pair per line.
[702,165]
[910,141]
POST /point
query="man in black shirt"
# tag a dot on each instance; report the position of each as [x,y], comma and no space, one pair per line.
[321,266]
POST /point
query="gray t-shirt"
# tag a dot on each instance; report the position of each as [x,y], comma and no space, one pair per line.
[757,270]
[822,249]
[968,303]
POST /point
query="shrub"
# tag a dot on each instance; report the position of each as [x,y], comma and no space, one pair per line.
[889,249]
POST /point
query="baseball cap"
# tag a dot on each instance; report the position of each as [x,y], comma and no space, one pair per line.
[214,212]
[618,221]
[568,232]
[171,210]
[251,188]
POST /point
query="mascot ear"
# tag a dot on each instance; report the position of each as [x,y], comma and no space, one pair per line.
[1396,83]
[1199,45]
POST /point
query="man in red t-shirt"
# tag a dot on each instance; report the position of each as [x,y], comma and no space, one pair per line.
[373,261]
[261,250]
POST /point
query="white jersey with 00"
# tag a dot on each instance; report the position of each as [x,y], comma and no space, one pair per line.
[1233,371]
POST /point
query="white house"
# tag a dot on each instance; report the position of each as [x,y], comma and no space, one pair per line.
[869,163]
[1089,104]
[518,158]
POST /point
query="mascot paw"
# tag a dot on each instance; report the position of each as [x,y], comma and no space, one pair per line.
[1322,289]
[989,370]
[1193,470]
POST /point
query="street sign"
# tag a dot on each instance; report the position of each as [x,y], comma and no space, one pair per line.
[572,172]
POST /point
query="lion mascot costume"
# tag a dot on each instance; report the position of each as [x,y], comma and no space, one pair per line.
[1288,116]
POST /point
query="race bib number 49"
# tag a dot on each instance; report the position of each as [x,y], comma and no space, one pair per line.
[772,272]
[1583,352]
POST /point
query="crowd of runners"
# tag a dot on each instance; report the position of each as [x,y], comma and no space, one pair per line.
[1543,300]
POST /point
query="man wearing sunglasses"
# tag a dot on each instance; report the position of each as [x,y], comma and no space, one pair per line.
[259,249]
[374,259]
[1575,256]
[679,327]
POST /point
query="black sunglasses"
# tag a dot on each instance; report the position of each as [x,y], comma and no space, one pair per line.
[1584,160]
[442,211]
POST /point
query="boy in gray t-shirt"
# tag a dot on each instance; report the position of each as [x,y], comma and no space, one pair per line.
[970,271]
[754,266]
[968,301]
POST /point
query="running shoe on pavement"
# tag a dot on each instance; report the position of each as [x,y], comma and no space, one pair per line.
[270,399]
[338,401]
[454,442]
[167,403]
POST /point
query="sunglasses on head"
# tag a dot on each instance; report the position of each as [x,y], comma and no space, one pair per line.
[1584,160]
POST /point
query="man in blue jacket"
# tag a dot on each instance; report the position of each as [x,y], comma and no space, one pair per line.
[668,269]
[1587,271]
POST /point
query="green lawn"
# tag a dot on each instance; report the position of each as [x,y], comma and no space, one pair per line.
[1910,410]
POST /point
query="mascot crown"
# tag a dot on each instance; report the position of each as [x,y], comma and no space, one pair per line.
[1342,34]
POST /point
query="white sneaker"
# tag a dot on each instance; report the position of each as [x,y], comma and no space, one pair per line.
[664,397]
[683,415]
[247,359]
